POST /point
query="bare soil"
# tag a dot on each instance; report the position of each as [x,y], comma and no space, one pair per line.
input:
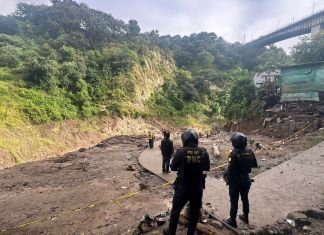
[74,194]
[59,187]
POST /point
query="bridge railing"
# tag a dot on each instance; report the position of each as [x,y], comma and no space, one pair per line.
[289,24]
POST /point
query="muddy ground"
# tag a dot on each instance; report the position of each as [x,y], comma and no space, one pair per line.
[75,193]
[54,188]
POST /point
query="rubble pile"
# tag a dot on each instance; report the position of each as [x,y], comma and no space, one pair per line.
[299,222]
[284,120]
[208,224]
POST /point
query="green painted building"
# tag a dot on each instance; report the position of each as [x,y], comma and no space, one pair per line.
[303,82]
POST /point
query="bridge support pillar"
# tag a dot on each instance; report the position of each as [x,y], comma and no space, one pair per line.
[317,29]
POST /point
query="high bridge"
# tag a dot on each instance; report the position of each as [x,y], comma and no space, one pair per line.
[311,24]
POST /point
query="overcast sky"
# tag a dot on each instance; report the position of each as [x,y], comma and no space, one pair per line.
[231,19]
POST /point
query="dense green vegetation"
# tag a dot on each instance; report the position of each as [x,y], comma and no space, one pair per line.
[65,61]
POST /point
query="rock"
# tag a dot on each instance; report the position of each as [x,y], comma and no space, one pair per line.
[10,186]
[315,213]
[128,157]
[25,184]
[82,150]
[143,186]
[306,228]
[299,218]
[147,223]
[130,168]
[100,145]
[291,222]
[216,151]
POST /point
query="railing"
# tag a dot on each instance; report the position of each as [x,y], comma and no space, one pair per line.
[318,13]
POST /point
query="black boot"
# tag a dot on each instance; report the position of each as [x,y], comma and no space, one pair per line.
[231,222]
[244,218]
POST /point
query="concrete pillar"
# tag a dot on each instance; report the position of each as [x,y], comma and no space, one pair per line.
[317,29]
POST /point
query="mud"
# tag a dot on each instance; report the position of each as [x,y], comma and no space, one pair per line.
[58,187]
[74,194]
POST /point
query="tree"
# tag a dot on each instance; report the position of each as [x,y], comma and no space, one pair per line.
[309,49]
[43,73]
[10,56]
[133,28]
[8,25]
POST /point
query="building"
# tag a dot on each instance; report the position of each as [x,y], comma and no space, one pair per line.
[303,82]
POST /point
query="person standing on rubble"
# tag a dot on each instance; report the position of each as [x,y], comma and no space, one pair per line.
[166,151]
[241,160]
[151,138]
[190,162]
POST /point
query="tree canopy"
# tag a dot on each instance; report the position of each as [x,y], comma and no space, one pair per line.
[102,65]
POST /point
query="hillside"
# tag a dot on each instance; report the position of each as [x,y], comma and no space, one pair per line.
[67,63]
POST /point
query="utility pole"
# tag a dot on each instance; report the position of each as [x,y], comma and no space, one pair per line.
[313,7]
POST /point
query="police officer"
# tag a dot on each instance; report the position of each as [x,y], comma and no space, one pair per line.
[190,161]
[241,160]
[166,151]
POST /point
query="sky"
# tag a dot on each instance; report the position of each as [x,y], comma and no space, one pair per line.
[234,20]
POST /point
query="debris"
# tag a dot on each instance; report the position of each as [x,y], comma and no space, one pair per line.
[216,224]
[299,218]
[148,223]
[321,109]
[128,156]
[101,145]
[130,168]
[123,187]
[216,151]
[258,146]
[315,213]
[143,186]
[10,186]
[306,228]
[291,222]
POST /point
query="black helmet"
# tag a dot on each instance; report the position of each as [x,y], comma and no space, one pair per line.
[189,136]
[166,134]
[238,140]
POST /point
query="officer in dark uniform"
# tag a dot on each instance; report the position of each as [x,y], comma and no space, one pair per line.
[241,160]
[151,138]
[166,151]
[190,162]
